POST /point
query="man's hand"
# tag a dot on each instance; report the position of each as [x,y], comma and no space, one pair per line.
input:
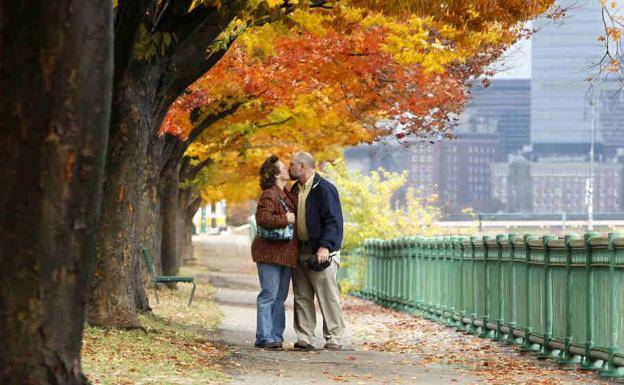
[322,254]
[290,217]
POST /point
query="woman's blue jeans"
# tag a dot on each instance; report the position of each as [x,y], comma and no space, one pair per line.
[271,319]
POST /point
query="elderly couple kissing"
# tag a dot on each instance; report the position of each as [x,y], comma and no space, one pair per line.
[309,253]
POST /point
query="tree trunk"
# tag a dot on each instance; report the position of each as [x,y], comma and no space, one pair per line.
[191,204]
[151,218]
[117,291]
[170,253]
[143,91]
[53,138]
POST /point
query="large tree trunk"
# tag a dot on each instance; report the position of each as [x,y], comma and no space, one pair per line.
[53,139]
[151,218]
[117,290]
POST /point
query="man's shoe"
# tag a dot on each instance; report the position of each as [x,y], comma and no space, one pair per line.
[269,345]
[332,346]
[302,345]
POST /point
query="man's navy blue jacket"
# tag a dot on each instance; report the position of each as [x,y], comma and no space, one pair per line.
[323,215]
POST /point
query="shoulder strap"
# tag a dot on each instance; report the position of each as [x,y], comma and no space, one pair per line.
[283,204]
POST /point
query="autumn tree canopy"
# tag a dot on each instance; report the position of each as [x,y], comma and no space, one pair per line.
[324,78]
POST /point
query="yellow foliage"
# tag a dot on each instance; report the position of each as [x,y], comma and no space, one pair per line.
[371,212]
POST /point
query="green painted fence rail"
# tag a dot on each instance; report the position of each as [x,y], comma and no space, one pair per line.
[560,297]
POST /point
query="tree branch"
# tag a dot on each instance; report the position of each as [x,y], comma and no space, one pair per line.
[188,172]
[175,148]
[189,58]
[127,20]
[193,206]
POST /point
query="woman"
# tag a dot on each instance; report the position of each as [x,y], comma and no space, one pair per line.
[274,259]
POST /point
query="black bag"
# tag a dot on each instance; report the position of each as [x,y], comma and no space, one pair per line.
[314,264]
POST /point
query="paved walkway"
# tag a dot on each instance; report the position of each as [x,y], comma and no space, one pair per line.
[388,347]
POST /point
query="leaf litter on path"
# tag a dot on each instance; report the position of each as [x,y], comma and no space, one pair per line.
[385,330]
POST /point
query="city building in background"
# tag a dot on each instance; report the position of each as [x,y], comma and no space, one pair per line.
[505,103]
[556,187]
[562,54]
[523,144]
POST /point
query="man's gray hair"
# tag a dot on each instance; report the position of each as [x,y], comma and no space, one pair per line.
[306,158]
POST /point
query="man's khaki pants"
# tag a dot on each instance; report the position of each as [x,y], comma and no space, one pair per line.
[308,283]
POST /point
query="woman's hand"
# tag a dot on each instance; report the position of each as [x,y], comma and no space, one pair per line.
[290,217]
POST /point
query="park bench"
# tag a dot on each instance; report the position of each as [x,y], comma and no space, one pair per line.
[156,279]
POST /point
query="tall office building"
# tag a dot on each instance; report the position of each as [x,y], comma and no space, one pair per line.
[506,104]
[562,56]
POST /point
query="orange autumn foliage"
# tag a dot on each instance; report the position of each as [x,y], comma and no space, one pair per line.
[322,80]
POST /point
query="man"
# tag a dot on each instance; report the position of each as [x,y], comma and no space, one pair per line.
[319,230]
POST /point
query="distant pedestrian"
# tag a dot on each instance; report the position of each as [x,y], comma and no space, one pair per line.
[319,231]
[273,252]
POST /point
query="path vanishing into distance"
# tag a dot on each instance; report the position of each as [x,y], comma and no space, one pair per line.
[388,347]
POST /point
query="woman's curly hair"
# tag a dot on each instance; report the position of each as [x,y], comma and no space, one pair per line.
[269,172]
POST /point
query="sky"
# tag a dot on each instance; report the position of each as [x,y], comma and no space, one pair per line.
[515,62]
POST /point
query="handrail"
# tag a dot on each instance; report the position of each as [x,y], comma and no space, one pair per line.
[560,296]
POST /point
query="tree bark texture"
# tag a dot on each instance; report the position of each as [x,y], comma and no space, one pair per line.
[187,207]
[117,290]
[144,89]
[56,70]
[170,229]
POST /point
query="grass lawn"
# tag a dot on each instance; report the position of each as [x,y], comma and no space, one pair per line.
[174,351]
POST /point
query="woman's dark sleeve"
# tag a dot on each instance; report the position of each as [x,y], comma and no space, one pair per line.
[268,213]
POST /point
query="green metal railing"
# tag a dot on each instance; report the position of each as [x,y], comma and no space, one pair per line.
[561,297]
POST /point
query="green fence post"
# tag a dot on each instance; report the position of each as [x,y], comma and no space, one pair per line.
[384,271]
[385,258]
[400,271]
[474,241]
[437,283]
[411,274]
[456,284]
[546,351]
[513,290]
[404,272]
[609,369]
[487,332]
[448,295]
[442,283]
[378,269]
[390,280]
[419,273]
[528,346]
[501,242]
[395,278]
[374,270]
[368,270]
[408,273]
[435,279]
[467,288]
[425,274]
[587,362]
[567,357]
